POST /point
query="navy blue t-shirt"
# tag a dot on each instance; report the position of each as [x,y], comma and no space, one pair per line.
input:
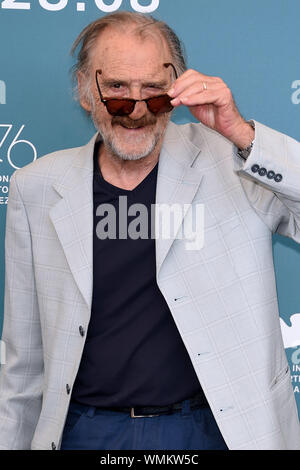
[134,354]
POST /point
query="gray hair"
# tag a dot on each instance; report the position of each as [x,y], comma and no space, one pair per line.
[145,24]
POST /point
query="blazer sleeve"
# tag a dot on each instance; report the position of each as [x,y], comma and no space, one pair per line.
[271,179]
[22,375]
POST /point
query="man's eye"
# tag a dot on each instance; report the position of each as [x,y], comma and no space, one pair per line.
[116,85]
[155,88]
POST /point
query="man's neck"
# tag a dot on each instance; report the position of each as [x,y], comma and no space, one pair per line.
[125,174]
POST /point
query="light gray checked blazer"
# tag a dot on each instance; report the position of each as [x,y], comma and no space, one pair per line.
[222,297]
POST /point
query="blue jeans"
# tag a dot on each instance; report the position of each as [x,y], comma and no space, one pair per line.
[92,428]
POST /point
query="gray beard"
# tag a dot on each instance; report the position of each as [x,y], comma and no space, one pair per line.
[114,149]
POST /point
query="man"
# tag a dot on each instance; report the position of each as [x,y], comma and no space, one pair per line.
[126,342]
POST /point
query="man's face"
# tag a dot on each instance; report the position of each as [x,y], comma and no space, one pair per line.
[131,67]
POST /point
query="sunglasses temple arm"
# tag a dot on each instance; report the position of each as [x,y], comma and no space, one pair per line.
[173,67]
[98,86]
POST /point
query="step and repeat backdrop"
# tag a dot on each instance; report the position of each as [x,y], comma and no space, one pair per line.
[253,46]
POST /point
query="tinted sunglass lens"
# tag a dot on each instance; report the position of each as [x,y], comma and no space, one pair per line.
[120,107]
[160,104]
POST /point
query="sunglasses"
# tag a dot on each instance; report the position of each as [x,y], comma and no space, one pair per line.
[125,106]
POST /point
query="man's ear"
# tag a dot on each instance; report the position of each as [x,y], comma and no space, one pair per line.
[82,88]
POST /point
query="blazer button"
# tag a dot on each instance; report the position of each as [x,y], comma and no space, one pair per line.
[81,330]
[255,168]
[262,172]
[68,388]
[278,178]
[53,446]
[271,174]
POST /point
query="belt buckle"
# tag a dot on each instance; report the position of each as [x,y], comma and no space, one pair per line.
[133,415]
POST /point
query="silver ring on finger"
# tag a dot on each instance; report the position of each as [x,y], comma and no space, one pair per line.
[204,86]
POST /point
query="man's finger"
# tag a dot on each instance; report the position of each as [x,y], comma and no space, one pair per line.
[200,98]
[192,72]
[179,87]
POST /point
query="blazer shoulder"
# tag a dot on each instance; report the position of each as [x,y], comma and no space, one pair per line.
[52,164]
[201,135]
[38,176]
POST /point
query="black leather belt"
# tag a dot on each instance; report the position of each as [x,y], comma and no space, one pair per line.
[197,401]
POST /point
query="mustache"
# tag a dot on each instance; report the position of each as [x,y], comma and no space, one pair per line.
[134,124]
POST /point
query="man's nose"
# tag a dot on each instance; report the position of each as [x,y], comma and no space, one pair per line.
[140,108]
[139,111]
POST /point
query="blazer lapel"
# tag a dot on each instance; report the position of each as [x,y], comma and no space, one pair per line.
[72,217]
[177,180]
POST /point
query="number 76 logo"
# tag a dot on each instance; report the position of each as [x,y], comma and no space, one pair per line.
[15,141]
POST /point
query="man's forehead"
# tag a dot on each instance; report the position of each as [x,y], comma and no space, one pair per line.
[155,72]
[120,50]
